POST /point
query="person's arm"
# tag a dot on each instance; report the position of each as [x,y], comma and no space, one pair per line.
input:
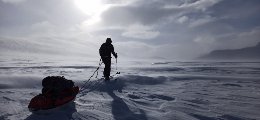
[113,52]
[100,50]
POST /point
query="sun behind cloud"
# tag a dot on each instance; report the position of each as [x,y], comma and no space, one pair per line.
[92,8]
[89,7]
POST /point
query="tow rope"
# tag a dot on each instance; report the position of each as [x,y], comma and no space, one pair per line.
[97,84]
[96,71]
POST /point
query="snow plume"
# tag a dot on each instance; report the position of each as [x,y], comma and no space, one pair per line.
[53,46]
[13,1]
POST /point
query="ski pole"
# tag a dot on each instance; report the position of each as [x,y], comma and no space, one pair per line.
[116,64]
[116,61]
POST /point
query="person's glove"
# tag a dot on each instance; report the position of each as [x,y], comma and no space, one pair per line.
[116,55]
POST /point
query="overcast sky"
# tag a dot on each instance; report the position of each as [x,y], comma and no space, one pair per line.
[176,29]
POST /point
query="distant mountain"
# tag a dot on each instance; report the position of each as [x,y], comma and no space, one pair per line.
[243,53]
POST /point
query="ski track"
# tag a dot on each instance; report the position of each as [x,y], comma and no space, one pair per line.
[160,90]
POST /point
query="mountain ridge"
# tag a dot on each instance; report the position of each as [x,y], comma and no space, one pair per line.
[243,53]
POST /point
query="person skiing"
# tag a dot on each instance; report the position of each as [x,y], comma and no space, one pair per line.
[105,53]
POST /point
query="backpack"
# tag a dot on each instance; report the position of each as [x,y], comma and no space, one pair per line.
[55,84]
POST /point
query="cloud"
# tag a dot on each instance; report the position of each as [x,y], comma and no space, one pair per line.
[54,46]
[168,28]
[134,49]
[235,41]
[201,4]
[13,1]
[207,42]
[140,50]
[127,15]
[183,19]
[43,26]
[196,5]
[140,32]
[201,21]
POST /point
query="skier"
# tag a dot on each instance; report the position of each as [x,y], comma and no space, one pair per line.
[105,52]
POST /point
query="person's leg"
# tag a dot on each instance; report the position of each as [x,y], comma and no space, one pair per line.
[106,71]
[108,66]
[107,62]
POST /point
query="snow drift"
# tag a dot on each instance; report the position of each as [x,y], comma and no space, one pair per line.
[172,90]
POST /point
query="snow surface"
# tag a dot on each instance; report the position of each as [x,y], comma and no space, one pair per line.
[143,91]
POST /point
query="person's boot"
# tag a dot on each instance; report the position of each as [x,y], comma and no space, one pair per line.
[107,78]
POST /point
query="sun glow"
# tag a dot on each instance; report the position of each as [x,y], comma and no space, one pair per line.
[89,7]
[92,8]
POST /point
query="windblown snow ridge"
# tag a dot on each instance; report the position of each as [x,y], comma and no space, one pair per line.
[20,82]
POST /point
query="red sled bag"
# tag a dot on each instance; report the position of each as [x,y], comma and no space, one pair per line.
[53,97]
